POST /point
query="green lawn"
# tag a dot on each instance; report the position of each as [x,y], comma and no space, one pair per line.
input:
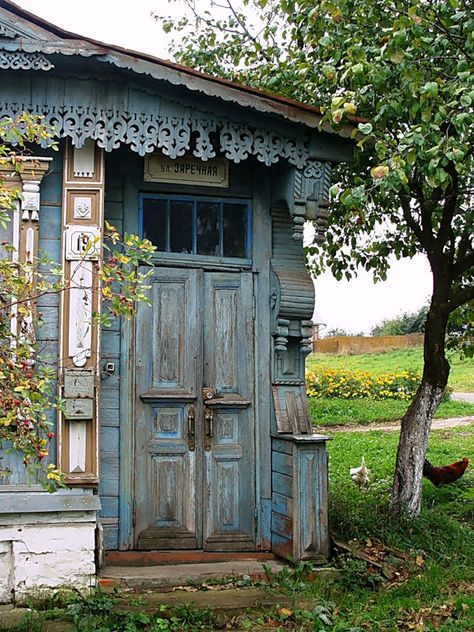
[461,377]
[441,540]
[431,590]
[334,411]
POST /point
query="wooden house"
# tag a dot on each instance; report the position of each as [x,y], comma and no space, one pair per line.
[187,428]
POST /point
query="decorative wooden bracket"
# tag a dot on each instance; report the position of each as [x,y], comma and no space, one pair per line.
[83,216]
[306,192]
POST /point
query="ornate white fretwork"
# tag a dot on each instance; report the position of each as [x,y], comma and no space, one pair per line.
[146,132]
[30,203]
[24,61]
[80,314]
[83,160]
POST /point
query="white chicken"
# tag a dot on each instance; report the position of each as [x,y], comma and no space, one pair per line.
[360,475]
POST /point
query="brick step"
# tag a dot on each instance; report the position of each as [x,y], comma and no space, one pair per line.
[155,558]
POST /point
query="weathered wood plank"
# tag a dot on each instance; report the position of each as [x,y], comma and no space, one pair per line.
[282,504]
[282,463]
[282,484]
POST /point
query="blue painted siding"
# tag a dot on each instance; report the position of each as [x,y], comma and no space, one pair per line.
[282,497]
[109,402]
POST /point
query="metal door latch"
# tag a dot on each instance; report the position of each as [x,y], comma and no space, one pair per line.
[191,429]
[209,422]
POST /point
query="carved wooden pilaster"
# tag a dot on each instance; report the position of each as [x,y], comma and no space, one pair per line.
[25,220]
[83,210]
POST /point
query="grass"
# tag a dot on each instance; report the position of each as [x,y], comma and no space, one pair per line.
[442,537]
[435,592]
[333,411]
[462,371]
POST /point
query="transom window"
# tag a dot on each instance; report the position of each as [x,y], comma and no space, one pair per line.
[199,226]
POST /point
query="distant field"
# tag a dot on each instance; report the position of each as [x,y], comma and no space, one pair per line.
[461,377]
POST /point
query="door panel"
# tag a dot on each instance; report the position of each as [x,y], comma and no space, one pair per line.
[195,459]
[167,471]
[174,331]
[229,370]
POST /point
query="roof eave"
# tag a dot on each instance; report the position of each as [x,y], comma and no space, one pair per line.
[141,63]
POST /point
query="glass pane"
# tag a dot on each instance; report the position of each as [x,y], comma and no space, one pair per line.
[234,230]
[208,229]
[154,222]
[181,226]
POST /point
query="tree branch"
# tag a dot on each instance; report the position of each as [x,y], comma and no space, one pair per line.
[450,203]
[410,220]
[462,265]
[246,31]
[459,298]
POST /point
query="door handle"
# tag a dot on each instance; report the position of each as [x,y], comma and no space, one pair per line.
[191,429]
[209,422]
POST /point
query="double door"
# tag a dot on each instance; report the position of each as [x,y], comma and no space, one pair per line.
[195,425]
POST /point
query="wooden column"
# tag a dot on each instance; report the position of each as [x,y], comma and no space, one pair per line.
[82,222]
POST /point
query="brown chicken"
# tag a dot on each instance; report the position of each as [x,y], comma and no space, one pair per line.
[446,474]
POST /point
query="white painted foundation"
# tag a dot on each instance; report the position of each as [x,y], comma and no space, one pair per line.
[47,549]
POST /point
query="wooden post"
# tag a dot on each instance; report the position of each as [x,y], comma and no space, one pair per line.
[83,217]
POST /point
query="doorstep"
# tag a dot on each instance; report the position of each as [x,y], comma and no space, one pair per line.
[158,558]
[167,576]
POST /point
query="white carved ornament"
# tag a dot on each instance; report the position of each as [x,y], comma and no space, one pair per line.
[146,132]
[80,313]
[82,208]
[24,61]
[77,446]
[30,201]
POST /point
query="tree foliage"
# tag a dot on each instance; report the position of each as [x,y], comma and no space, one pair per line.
[406,323]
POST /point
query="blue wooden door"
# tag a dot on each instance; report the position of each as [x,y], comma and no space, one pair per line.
[194,447]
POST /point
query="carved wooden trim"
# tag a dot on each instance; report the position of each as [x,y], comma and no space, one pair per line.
[82,222]
[25,220]
[24,61]
[148,131]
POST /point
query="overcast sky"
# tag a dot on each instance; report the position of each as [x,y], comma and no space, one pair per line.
[355,306]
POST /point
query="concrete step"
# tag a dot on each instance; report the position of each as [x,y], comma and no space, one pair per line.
[139,578]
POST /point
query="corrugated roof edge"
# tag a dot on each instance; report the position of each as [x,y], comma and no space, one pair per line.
[268,96]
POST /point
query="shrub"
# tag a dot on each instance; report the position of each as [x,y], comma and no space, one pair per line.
[406,323]
[343,383]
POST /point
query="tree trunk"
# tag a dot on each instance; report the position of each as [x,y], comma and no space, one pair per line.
[416,423]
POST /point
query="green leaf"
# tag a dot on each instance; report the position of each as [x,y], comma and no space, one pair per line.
[365,128]
[396,56]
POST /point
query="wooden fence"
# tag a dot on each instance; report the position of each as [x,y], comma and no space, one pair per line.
[366,344]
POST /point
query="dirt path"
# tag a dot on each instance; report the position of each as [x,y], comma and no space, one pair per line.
[438,424]
[464,397]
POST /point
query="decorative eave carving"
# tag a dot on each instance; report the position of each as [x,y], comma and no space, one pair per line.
[145,132]
[24,61]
